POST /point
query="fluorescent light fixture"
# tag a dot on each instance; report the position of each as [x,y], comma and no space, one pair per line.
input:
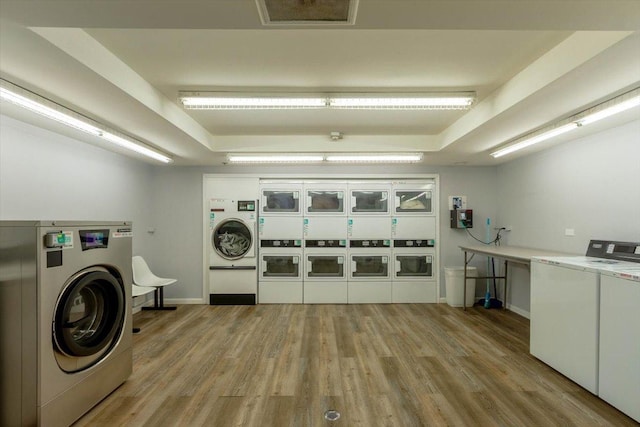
[535,139]
[51,110]
[246,101]
[275,158]
[374,158]
[610,111]
[130,145]
[613,106]
[401,102]
[292,100]
[47,111]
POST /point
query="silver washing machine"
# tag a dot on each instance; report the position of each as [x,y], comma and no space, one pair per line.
[65,311]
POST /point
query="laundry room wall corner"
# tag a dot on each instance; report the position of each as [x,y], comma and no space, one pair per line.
[49,176]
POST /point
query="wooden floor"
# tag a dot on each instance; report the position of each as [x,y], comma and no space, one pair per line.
[378,365]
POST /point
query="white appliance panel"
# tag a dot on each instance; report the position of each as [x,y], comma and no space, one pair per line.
[369,292]
[324,292]
[369,227]
[325,228]
[565,319]
[619,373]
[280,227]
[280,292]
[413,227]
[233,281]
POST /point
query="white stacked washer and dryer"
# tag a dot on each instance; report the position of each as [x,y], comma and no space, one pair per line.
[413,230]
[369,232]
[325,242]
[65,310]
[280,231]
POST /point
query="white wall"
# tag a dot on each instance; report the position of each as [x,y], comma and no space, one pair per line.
[591,185]
[47,176]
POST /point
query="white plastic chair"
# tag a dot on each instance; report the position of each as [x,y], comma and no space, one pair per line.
[143,277]
[138,291]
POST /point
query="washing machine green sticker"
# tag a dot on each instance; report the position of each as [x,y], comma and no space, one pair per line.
[212,218]
[65,239]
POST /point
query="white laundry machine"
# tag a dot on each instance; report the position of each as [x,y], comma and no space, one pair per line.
[281,271]
[414,271]
[370,266]
[619,344]
[325,272]
[565,308]
[414,208]
[232,248]
[65,306]
[279,197]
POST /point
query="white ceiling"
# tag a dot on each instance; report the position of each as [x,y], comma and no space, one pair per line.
[123,62]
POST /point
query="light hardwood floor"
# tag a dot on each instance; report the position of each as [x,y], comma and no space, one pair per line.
[378,365]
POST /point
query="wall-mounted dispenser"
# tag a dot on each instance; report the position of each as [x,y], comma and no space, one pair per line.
[461,218]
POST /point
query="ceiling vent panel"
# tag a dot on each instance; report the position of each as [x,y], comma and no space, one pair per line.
[307,12]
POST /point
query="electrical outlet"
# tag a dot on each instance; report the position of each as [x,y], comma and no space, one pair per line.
[569,232]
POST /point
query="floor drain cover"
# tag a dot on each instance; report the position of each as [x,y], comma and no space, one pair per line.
[332,415]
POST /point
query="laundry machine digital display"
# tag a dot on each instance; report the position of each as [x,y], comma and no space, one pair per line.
[93,239]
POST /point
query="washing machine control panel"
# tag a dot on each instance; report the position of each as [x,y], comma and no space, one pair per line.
[246,205]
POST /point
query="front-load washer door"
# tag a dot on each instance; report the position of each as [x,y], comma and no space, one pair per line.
[88,319]
[232,239]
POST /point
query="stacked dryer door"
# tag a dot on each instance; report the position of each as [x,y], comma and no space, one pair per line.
[413,229]
[325,251]
[232,252]
[369,231]
[281,265]
[325,273]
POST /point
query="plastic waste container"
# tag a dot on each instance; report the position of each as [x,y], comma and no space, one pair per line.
[453,278]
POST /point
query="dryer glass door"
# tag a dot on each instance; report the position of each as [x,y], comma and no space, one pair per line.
[414,266]
[88,317]
[281,266]
[232,239]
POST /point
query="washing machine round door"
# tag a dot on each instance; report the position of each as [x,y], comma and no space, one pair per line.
[232,239]
[88,318]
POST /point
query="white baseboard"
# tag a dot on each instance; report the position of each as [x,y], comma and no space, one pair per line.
[518,310]
[442,300]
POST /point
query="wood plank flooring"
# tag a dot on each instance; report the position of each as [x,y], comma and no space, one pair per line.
[378,365]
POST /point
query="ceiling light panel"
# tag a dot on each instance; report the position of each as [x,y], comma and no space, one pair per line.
[375,158]
[402,102]
[274,158]
[292,100]
[246,101]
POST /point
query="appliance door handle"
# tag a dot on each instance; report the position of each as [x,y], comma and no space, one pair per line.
[233,267]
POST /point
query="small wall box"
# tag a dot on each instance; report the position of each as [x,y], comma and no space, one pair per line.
[461,218]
